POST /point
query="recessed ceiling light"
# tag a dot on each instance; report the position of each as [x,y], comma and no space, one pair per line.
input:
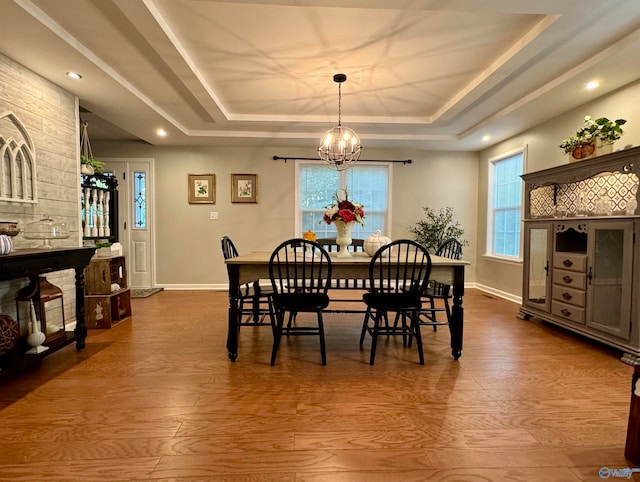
[594,84]
[486,138]
[161,132]
[74,75]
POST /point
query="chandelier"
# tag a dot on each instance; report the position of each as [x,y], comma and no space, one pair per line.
[340,147]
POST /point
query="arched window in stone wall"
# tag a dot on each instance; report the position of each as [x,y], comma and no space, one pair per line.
[17,161]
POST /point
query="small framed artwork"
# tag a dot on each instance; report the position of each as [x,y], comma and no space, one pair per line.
[244,188]
[202,188]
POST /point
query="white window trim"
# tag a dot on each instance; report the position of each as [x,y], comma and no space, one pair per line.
[489,238]
[297,229]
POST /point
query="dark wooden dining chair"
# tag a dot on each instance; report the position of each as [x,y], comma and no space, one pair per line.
[449,248]
[254,299]
[398,273]
[300,273]
[331,245]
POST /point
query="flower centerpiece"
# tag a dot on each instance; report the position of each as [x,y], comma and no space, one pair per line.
[344,213]
[593,134]
[344,210]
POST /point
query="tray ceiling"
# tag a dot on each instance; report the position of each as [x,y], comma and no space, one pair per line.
[421,74]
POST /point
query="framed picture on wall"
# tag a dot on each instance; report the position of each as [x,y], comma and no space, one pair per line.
[202,188]
[244,188]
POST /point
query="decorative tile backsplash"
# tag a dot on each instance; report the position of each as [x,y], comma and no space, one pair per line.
[580,197]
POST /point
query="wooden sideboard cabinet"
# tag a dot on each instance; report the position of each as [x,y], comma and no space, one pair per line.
[581,261]
[106,305]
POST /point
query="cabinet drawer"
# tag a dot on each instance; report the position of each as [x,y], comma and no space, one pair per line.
[570,278]
[569,295]
[570,261]
[568,312]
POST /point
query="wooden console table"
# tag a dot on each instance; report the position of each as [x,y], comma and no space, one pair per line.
[30,263]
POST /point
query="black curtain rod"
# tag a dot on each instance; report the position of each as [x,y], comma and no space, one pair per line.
[285,159]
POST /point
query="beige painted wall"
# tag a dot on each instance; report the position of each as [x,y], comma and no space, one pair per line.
[188,243]
[49,114]
[543,152]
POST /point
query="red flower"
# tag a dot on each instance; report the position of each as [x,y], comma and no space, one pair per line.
[346,205]
[347,215]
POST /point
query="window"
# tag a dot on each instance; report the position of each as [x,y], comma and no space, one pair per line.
[505,204]
[366,184]
[139,200]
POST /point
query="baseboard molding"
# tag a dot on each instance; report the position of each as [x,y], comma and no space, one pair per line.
[498,293]
[225,287]
[211,287]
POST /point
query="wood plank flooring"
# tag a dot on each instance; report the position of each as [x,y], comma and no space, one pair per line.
[156,398]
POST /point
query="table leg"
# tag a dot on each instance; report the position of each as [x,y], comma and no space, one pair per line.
[457,313]
[232,329]
[80,330]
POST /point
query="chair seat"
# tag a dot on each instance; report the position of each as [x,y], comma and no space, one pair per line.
[391,301]
[301,302]
[438,290]
[249,291]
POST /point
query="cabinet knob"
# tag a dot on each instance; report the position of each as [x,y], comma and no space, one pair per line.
[566,296]
[567,279]
[565,312]
[568,263]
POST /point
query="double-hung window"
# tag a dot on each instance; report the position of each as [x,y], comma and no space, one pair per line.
[366,183]
[505,204]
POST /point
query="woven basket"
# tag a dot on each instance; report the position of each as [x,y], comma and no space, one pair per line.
[9,333]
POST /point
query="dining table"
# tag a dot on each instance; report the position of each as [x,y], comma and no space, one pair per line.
[254,265]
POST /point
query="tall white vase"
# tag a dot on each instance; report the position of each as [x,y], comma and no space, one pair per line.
[343,238]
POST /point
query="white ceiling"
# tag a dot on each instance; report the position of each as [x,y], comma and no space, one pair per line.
[425,74]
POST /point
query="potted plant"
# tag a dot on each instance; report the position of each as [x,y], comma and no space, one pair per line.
[88,164]
[594,134]
[436,227]
[93,165]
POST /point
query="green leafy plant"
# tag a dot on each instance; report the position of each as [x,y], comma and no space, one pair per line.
[97,165]
[436,227]
[601,129]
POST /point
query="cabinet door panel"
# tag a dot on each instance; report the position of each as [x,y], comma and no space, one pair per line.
[537,254]
[610,270]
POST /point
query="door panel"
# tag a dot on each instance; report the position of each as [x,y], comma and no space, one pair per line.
[135,215]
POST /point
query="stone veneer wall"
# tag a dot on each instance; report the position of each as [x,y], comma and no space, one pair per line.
[50,115]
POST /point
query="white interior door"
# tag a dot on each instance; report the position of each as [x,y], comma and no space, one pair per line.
[135,217]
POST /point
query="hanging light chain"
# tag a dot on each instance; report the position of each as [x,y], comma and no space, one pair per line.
[340,104]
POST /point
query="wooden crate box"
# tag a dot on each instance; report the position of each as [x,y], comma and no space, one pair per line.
[102,273]
[107,311]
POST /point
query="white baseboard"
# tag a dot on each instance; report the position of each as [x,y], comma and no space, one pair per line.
[213,287]
[225,287]
[500,294]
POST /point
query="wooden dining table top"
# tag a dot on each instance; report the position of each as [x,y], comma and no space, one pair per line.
[441,268]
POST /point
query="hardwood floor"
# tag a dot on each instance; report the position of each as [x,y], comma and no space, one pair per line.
[156,398]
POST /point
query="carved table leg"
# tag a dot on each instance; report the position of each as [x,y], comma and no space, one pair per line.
[232,333]
[457,313]
[80,330]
